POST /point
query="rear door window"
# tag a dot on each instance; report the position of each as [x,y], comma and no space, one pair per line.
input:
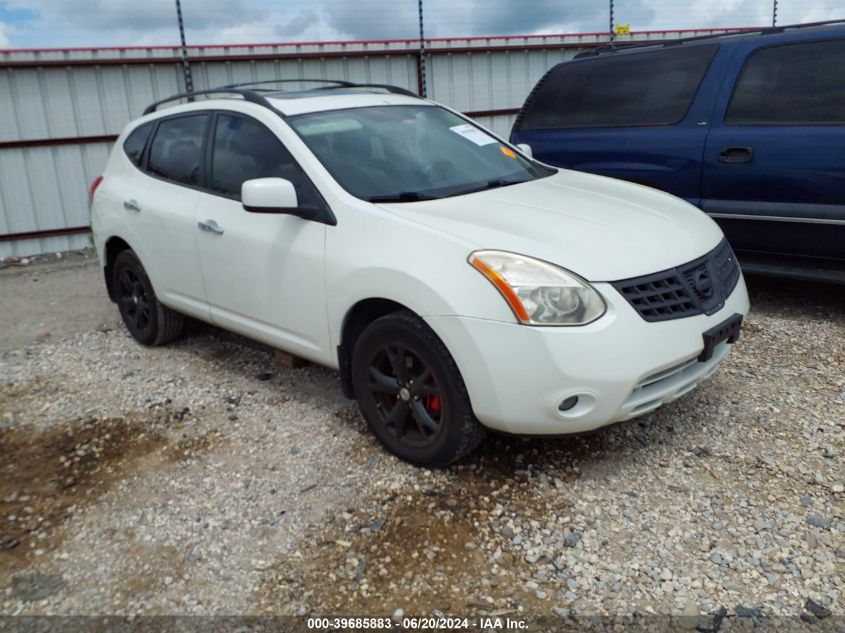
[621,89]
[135,143]
[800,83]
[245,149]
[176,150]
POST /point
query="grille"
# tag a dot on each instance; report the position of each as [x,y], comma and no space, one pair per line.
[698,287]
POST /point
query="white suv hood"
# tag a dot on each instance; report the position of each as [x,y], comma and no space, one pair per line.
[600,228]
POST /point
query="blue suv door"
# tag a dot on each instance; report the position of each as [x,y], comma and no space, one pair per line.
[636,115]
[774,162]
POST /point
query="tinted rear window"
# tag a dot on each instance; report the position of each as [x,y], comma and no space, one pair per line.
[793,83]
[637,89]
[176,150]
[136,141]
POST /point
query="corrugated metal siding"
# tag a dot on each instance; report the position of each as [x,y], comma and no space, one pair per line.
[63,96]
[44,188]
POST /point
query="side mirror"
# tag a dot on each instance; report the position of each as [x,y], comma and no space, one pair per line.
[269,195]
[525,149]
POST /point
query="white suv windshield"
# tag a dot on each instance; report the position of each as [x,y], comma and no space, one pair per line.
[408,153]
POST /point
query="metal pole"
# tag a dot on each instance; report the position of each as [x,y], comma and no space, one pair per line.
[610,43]
[774,13]
[186,65]
[421,66]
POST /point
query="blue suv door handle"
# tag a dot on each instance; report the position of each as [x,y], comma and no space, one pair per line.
[736,154]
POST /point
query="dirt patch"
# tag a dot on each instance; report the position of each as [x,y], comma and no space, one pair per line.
[412,550]
[46,474]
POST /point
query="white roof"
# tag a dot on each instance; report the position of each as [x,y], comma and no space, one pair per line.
[299,103]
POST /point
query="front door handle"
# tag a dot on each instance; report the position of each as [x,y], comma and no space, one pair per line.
[737,154]
[131,205]
[210,226]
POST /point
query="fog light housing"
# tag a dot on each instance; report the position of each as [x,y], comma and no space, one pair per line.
[568,403]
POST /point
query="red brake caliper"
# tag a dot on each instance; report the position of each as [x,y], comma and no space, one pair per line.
[432,403]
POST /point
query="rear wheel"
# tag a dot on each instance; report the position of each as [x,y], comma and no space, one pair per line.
[148,321]
[411,393]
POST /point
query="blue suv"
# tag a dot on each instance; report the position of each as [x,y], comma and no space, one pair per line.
[749,127]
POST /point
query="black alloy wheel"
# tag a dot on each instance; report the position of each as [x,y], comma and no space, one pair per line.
[135,306]
[147,319]
[411,393]
[406,394]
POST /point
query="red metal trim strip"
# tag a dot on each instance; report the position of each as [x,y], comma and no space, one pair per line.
[49,142]
[407,52]
[34,235]
[394,52]
[473,38]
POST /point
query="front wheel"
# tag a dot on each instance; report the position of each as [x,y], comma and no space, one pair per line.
[148,321]
[411,393]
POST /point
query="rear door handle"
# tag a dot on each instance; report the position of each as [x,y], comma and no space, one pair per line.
[131,205]
[736,154]
[210,226]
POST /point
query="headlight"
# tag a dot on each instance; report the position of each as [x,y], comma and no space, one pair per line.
[539,293]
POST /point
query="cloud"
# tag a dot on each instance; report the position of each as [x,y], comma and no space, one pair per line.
[101,22]
[5,30]
[445,18]
[138,15]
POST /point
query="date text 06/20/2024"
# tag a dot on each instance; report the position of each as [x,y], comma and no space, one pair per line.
[448,623]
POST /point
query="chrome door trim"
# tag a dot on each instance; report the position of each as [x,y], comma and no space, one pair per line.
[774,218]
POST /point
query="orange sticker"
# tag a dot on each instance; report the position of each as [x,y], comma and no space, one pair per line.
[507,152]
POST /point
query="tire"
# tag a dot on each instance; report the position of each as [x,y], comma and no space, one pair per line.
[428,422]
[148,321]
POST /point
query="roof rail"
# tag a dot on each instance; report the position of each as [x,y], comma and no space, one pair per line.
[247,95]
[253,96]
[389,88]
[766,30]
[339,82]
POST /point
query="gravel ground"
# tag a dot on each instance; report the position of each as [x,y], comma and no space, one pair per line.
[204,478]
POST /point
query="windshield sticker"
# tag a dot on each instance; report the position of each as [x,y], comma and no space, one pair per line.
[507,151]
[472,133]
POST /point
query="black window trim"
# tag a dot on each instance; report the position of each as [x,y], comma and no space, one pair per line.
[208,158]
[748,57]
[532,97]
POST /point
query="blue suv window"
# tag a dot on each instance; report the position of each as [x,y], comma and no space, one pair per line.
[792,83]
[620,89]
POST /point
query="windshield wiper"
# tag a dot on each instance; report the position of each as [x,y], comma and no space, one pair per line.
[402,196]
[491,184]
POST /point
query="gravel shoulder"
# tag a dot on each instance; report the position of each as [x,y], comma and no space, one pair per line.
[204,478]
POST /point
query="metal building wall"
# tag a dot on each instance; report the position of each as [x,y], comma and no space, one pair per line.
[61,109]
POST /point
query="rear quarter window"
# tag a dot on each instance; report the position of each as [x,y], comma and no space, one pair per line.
[620,90]
[802,83]
[135,143]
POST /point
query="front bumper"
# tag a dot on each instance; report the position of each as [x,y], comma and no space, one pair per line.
[620,366]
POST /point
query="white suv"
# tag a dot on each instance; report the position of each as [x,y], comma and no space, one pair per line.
[456,283]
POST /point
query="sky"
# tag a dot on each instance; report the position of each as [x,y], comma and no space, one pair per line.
[70,23]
